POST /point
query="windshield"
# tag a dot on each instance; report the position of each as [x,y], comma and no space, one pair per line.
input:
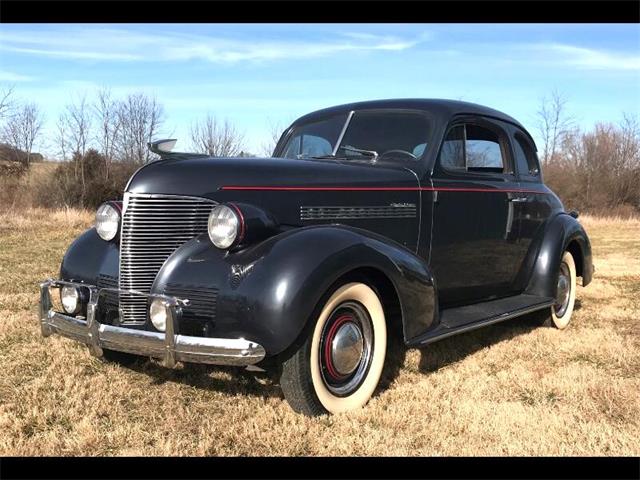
[314,139]
[388,135]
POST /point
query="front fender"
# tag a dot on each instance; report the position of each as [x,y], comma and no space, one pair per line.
[88,257]
[561,233]
[269,291]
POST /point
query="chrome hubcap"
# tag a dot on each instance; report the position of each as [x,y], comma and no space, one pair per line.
[563,290]
[346,348]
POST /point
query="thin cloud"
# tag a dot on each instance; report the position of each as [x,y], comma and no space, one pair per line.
[75,54]
[589,58]
[123,45]
[14,77]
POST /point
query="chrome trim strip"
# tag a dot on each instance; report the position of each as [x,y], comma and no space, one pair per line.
[169,346]
[419,212]
[358,212]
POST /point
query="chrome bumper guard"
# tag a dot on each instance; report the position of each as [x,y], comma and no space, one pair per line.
[168,346]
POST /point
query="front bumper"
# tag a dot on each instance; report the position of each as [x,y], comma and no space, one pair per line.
[168,346]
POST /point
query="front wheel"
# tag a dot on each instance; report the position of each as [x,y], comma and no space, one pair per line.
[339,365]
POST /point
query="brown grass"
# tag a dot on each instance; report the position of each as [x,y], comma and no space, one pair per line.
[21,192]
[510,389]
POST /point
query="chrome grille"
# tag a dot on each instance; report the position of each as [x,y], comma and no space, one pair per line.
[201,310]
[109,299]
[153,227]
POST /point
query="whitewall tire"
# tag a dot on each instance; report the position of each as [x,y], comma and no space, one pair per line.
[339,365]
[559,315]
[565,300]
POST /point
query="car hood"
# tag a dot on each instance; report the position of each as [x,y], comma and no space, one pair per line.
[208,176]
[280,186]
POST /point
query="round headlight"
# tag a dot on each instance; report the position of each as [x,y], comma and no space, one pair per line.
[70,298]
[225,225]
[107,221]
[158,314]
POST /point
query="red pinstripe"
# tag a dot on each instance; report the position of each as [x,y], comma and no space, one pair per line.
[376,189]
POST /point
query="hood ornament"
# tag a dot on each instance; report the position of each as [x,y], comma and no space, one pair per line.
[162,147]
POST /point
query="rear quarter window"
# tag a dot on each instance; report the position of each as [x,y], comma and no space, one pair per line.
[526,158]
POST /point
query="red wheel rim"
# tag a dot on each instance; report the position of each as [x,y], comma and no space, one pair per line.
[349,321]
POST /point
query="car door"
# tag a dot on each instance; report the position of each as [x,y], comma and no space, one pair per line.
[534,208]
[474,251]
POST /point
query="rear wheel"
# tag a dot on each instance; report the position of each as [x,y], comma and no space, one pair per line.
[339,365]
[559,315]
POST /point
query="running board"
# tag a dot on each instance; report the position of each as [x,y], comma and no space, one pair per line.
[470,317]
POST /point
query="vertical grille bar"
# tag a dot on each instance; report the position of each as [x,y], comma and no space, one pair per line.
[153,227]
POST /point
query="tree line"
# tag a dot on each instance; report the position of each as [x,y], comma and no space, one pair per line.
[100,142]
[117,128]
[104,140]
[596,170]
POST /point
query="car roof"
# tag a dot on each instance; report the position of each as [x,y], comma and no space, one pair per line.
[441,108]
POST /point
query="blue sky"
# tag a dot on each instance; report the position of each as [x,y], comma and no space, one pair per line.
[256,75]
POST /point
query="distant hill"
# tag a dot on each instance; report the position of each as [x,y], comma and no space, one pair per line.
[11,154]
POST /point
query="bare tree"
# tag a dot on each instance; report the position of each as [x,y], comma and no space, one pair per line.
[216,138]
[77,115]
[5,101]
[22,130]
[106,110]
[140,118]
[74,131]
[599,170]
[553,124]
[624,159]
[61,136]
[275,131]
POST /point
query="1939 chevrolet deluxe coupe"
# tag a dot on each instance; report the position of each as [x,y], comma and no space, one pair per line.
[425,217]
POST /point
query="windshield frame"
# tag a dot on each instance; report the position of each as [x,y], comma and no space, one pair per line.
[342,132]
[429,135]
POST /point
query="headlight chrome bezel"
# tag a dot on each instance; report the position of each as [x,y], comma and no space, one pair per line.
[114,210]
[230,211]
[78,298]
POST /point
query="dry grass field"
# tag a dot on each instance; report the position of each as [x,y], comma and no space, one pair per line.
[510,389]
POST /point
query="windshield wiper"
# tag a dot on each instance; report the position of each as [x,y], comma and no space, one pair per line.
[330,155]
[372,153]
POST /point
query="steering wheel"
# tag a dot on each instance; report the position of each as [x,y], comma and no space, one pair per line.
[401,152]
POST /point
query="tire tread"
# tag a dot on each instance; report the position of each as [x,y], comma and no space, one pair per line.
[295,382]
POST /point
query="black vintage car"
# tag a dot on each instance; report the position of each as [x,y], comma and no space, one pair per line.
[424,217]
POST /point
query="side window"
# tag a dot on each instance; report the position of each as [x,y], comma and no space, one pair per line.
[484,153]
[525,156]
[472,148]
[452,153]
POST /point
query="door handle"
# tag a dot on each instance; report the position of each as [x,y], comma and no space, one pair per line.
[518,199]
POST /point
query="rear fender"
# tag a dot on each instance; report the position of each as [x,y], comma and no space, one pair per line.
[563,232]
